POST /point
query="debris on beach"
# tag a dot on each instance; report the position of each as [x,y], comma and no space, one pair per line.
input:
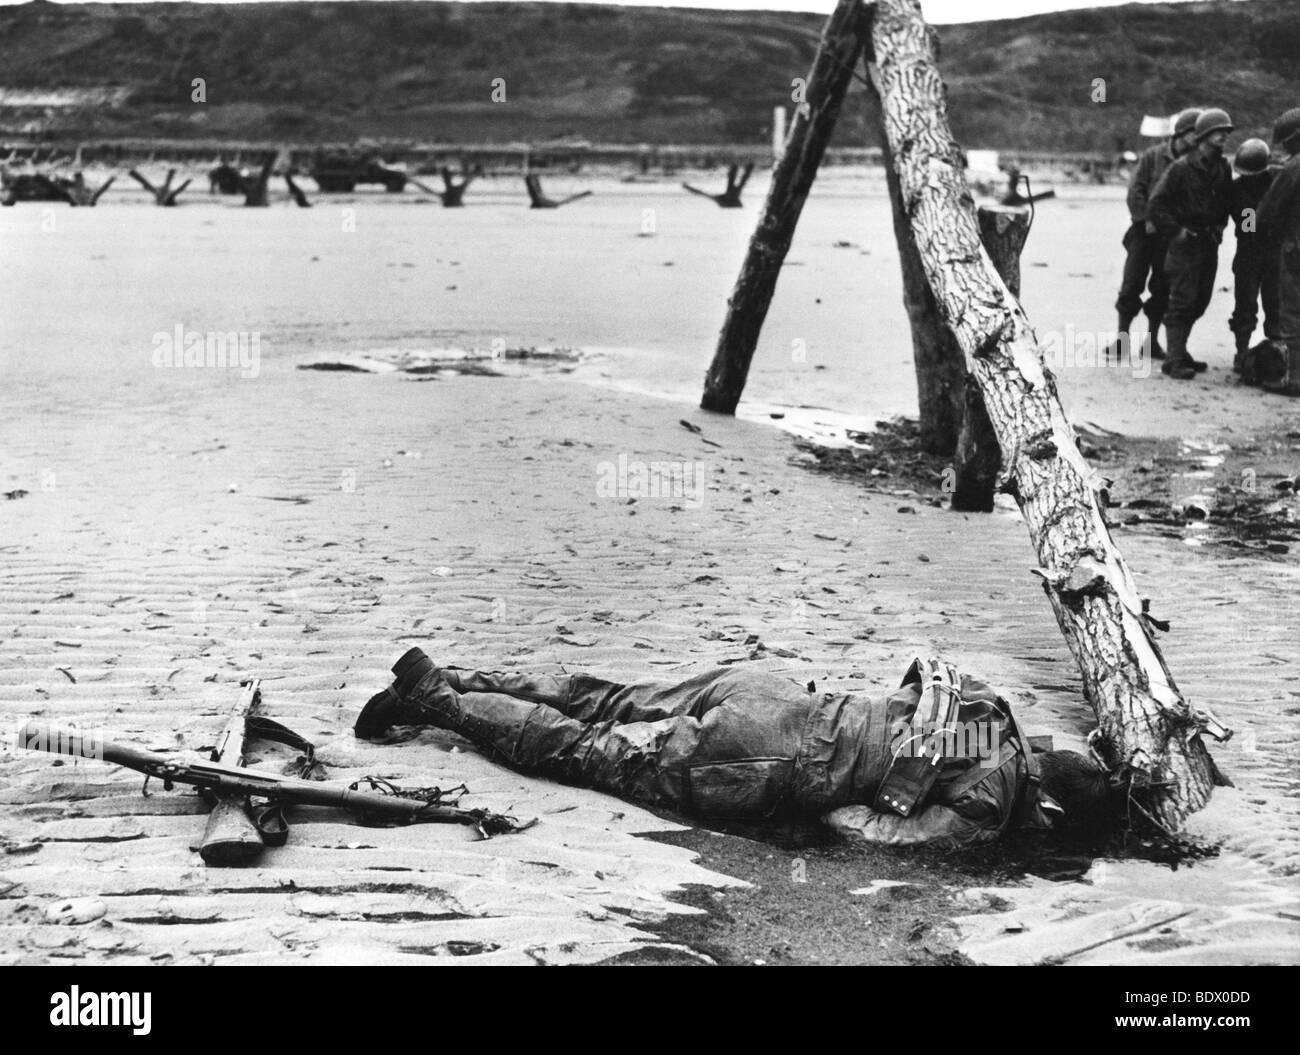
[1201,492]
[496,362]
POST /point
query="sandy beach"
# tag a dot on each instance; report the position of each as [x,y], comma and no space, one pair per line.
[185,527]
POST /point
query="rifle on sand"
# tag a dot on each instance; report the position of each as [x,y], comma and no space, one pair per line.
[379,801]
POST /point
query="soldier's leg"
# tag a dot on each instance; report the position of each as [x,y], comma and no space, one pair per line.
[1137,266]
[592,699]
[1157,304]
[1270,295]
[1207,269]
[1246,275]
[643,761]
[1288,339]
[1182,273]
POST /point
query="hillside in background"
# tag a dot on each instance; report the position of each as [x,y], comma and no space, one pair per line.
[425,71]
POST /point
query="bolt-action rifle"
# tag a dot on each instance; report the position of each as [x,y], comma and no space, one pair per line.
[374,799]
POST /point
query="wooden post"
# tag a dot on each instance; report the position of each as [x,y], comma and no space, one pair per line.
[164,195]
[940,366]
[255,187]
[1147,729]
[538,200]
[978,460]
[832,69]
[296,192]
[452,195]
[730,198]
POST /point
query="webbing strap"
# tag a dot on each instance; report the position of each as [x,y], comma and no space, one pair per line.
[919,755]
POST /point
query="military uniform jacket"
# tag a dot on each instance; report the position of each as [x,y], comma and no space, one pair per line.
[1150,167]
[1194,193]
[1279,212]
[766,753]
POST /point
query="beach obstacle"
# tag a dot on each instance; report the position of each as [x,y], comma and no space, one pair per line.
[80,193]
[538,200]
[1148,736]
[255,187]
[296,192]
[452,195]
[729,198]
[1013,196]
[165,195]
[41,186]
[224,178]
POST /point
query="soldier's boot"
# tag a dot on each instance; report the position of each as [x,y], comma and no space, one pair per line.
[1153,337]
[624,758]
[1179,364]
[1196,364]
[1289,383]
[388,707]
[1114,352]
[1239,357]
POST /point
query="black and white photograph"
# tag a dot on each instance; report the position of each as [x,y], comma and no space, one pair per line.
[756,483]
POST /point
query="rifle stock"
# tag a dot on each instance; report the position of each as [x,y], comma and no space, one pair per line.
[230,838]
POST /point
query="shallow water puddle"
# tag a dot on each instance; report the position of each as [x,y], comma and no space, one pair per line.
[1226,910]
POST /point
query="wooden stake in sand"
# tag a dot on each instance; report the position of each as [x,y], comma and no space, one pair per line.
[255,187]
[296,192]
[452,195]
[538,200]
[729,198]
[978,458]
[952,417]
[1145,723]
[164,195]
[832,69]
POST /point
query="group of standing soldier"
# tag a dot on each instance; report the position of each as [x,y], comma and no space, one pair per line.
[1181,198]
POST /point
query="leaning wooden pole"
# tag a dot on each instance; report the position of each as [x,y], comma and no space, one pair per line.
[1145,723]
[940,370]
[978,458]
[832,70]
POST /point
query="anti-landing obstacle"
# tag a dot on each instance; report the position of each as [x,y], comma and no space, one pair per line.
[1148,735]
[452,195]
[729,198]
[538,200]
[165,195]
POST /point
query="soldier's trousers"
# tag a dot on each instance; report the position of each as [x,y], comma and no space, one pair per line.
[1288,283]
[673,745]
[1255,279]
[1144,261]
[1190,266]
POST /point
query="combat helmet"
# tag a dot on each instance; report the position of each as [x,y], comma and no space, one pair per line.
[1252,157]
[1287,127]
[1186,121]
[1212,120]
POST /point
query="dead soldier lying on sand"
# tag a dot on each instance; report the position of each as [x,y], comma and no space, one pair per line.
[942,761]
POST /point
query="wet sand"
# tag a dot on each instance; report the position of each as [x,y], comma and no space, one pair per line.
[186,527]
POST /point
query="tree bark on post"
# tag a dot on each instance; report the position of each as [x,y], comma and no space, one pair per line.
[951,416]
[832,70]
[978,461]
[940,366]
[1145,723]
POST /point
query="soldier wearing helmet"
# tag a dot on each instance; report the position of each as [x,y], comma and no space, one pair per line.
[1252,279]
[1279,228]
[1144,247]
[1190,207]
